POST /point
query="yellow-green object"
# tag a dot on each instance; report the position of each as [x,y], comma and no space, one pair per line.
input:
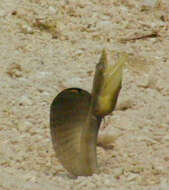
[75,117]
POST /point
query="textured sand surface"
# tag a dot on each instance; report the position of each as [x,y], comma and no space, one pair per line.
[47,46]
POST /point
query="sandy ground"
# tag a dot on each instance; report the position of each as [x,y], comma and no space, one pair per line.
[47,46]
